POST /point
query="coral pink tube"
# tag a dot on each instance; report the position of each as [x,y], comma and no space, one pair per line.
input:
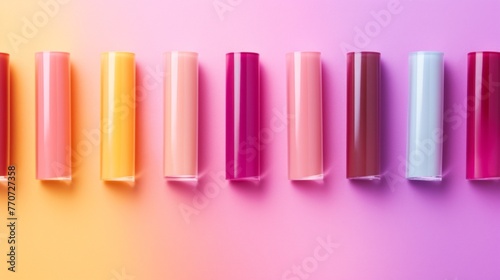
[4,115]
[53,116]
[305,124]
[181,116]
[483,122]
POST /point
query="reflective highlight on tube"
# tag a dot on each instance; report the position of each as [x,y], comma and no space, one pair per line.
[363,115]
[483,122]
[4,115]
[53,116]
[305,123]
[118,116]
[242,116]
[181,116]
[425,118]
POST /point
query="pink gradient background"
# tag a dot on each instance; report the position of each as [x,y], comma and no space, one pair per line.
[448,230]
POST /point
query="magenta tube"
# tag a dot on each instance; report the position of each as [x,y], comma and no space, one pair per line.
[242,116]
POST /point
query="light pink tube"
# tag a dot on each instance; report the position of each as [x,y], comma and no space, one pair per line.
[53,116]
[305,124]
[181,116]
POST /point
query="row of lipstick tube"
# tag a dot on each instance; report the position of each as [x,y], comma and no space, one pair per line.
[243,132]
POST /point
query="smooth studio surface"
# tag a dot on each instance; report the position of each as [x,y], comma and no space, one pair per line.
[389,230]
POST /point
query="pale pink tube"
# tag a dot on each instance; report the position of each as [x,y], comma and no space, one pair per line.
[181,116]
[305,124]
[53,116]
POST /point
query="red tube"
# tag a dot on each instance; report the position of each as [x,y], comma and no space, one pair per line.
[4,115]
[483,122]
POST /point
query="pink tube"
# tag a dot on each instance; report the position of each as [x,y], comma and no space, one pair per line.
[305,124]
[53,116]
[181,116]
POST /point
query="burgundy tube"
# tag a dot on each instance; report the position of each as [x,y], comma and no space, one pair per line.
[242,116]
[483,122]
[4,115]
[363,115]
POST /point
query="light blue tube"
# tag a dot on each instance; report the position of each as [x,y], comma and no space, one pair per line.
[425,119]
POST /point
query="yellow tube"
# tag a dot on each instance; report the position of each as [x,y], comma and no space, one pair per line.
[118,116]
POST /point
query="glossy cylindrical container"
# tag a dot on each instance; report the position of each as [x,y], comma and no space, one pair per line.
[242,116]
[305,123]
[181,116]
[118,116]
[483,122]
[4,115]
[363,115]
[425,117]
[53,116]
